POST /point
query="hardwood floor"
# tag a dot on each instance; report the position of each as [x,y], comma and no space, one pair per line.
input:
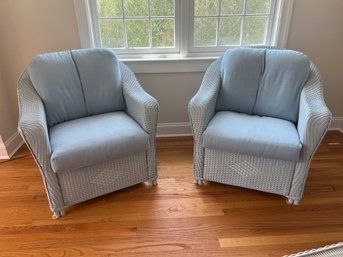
[176,218]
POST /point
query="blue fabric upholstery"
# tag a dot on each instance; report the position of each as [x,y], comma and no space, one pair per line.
[266,82]
[241,70]
[55,78]
[86,141]
[253,135]
[286,72]
[100,77]
[78,83]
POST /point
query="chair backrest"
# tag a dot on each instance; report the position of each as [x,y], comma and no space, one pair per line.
[77,83]
[261,81]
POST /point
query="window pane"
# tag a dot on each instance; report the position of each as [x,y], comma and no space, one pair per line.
[111,33]
[162,33]
[135,8]
[231,7]
[205,7]
[254,30]
[162,7]
[230,31]
[205,31]
[137,33]
[257,6]
[109,8]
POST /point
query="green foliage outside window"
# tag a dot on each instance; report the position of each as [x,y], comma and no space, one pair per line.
[109,8]
[136,25]
[227,24]
[127,24]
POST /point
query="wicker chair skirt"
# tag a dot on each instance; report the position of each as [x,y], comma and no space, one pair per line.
[99,179]
[268,175]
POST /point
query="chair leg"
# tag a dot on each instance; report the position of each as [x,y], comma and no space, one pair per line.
[152,182]
[58,214]
[296,202]
[291,201]
[198,181]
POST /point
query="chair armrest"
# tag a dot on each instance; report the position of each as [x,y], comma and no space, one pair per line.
[201,107]
[32,121]
[313,121]
[34,130]
[139,104]
[314,116]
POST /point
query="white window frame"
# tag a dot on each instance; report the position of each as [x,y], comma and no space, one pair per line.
[184,58]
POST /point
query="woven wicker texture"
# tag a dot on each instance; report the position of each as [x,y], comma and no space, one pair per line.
[82,184]
[335,250]
[288,179]
[102,178]
[144,109]
[201,109]
[268,175]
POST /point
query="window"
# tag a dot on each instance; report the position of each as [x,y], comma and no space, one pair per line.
[227,23]
[181,28]
[145,26]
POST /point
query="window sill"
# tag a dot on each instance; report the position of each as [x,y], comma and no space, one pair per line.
[169,65]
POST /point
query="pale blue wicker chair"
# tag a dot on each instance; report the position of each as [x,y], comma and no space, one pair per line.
[88,124]
[257,121]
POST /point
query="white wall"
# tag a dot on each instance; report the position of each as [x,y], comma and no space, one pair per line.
[173,92]
[5,116]
[28,28]
[7,119]
[31,27]
[316,29]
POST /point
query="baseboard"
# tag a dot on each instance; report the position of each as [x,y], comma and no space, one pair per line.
[337,124]
[10,146]
[3,152]
[174,129]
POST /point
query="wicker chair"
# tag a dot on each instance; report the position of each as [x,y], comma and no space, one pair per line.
[88,124]
[227,126]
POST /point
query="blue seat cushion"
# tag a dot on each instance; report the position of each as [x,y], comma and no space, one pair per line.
[253,135]
[90,140]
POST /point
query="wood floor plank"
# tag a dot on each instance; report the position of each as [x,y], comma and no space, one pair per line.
[277,240]
[176,218]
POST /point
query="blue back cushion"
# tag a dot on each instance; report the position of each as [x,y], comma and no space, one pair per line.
[54,76]
[78,83]
[265,82]
[241,70]
[286,73]
[99,71]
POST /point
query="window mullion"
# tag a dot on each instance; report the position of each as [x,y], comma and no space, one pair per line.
[268,27]
[95,24]
[243,22]
[124,24]
[186,18]
[149,25]
[271,23]
[218,21]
